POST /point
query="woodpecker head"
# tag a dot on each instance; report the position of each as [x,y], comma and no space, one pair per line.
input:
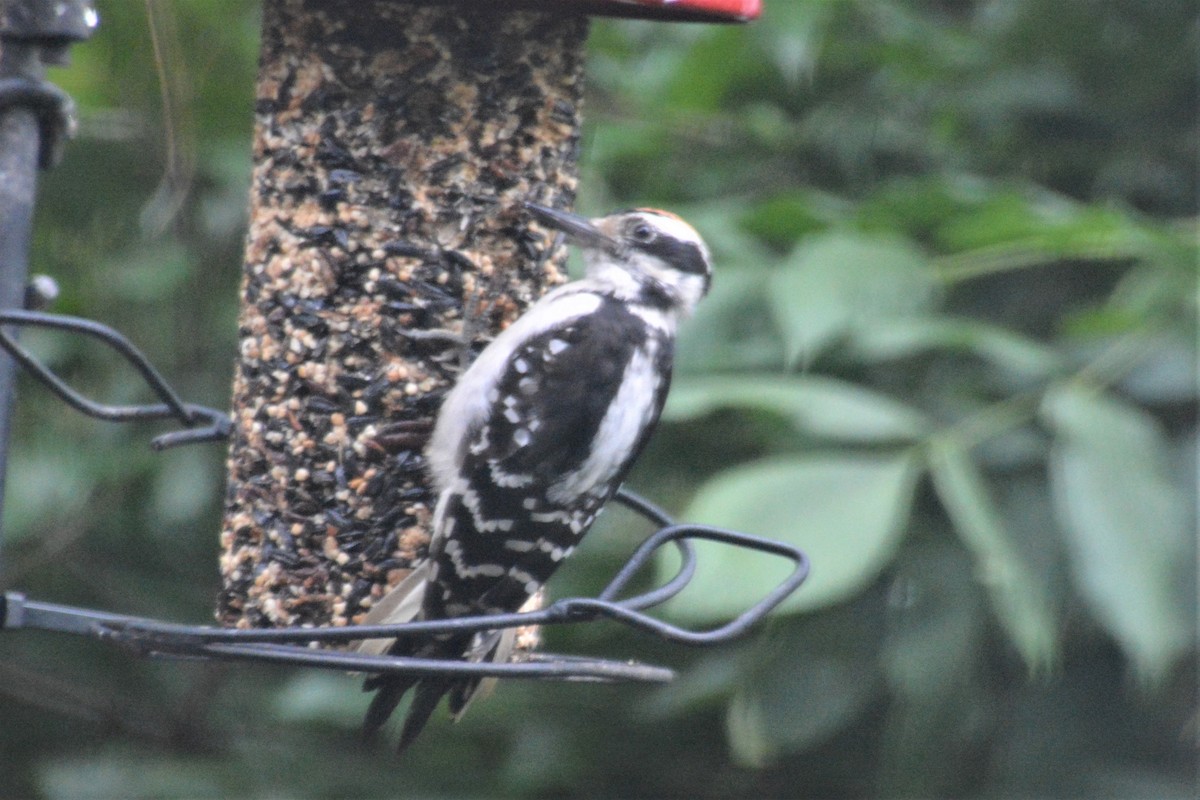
[646,255]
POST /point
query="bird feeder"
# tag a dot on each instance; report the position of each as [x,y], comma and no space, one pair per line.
[393,145]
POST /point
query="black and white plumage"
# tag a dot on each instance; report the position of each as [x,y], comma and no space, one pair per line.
[539,433]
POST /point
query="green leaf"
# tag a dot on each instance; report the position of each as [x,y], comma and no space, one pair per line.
[782,219]
[318,697]
[697,86]
[706,683]
[48,484]
[932,657]
[809,678]
[185,485]
[846,512]
[793,38]
[823,696]
[148,274]
[1039,226]
[1002,348]
[121,774]
[1018,599]
[1167,372]
[732,328]
[1126,523]
[838,284]
[746,727]
[936,625]
[819,406]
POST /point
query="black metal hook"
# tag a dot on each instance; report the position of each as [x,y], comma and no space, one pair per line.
[54,108]
[202,424]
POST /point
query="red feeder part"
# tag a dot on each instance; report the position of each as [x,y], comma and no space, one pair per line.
[677,10]
[665,10]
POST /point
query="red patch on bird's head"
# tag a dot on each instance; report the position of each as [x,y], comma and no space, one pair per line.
[660,213]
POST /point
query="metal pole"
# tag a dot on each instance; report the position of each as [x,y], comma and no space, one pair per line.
[34,118]
[18,163]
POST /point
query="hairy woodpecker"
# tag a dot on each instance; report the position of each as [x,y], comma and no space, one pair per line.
[537,435]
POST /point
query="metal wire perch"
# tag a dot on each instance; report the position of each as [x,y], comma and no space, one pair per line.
[291,646]
[201,424]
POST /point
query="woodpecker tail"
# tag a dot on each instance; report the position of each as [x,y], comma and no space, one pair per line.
[390,690]
[404,604]
[388,694]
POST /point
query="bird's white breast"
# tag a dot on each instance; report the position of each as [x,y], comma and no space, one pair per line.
[620,429]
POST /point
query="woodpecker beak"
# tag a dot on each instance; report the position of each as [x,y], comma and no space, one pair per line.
[579,230]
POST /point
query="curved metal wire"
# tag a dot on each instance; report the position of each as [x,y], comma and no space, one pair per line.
[285,645]
[146,637]
[203,424]
[292,646]
[687,568]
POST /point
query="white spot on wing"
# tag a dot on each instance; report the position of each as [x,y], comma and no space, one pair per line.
[467,406]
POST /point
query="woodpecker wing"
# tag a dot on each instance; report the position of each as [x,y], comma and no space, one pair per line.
[569,414]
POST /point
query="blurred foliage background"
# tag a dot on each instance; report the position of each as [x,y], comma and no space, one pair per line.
[950,351]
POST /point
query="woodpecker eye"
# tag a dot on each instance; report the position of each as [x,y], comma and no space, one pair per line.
[642,233]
